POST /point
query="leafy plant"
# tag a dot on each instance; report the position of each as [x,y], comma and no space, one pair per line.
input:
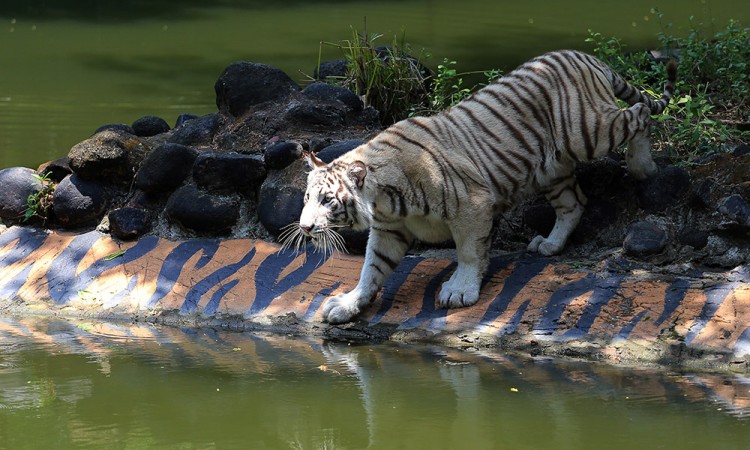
[712,88]
[115,255]
[694,126]
[387,78]
[39,203]
[396,83]
[718,64]
[448,88]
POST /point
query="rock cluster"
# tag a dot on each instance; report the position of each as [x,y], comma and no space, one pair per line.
[232,172]
[700,214]
[238,172]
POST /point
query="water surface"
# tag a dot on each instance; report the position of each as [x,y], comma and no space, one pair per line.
[97,385]
[69,67]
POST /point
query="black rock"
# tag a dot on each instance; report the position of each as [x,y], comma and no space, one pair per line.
[693,237]
[244,84]
[330,69]
[79,202]
[182,118]
[281,154]
[540,218]
[123,127]
[702,193]
[200,211]
[150,126]
[198,131]
[598,215]
[18,183]
[329,93]
[55,170]
[368,118]
[278,208]
[356,241]
[333,151]
[129,223]
[663,190]
[601,178]
[644,238]
[165,168]
[312,114]
[230,171]
[741,150]
[109,155]
[736,209]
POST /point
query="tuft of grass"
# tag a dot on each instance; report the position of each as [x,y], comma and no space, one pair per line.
[387,78]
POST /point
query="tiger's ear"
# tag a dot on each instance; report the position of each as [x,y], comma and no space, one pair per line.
[357,172]
[312,160]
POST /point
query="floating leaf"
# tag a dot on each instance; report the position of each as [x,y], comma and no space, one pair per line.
[114,255]
[513,389]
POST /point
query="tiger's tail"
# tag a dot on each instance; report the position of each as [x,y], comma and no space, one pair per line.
[631,95]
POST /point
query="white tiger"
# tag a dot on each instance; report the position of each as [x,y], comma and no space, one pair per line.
[446,176]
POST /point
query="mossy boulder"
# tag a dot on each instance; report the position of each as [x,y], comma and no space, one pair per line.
[110,155]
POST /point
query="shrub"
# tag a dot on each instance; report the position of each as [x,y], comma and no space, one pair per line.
[712,87]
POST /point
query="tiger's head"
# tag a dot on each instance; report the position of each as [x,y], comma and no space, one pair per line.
[332,200]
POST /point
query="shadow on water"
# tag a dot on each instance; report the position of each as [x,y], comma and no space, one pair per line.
[163,75]
[89,383]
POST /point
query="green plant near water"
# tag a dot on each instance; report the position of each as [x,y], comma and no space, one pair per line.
[448,88]
[39,203]
[388,78]
[394,81]
[712,88]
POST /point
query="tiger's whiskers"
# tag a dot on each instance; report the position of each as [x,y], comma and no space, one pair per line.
[291,237]
[327,240]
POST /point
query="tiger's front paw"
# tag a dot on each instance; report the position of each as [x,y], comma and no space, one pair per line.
[545,246]
[456,296]
[340,309]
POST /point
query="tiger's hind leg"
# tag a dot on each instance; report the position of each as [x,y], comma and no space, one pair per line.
[638,154]
[569,201]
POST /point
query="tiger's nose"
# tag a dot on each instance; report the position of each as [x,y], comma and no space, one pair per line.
[306,229]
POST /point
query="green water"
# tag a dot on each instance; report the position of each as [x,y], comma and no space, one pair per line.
[68,67]
[97,385]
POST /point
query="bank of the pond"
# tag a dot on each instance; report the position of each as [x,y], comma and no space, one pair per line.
[610,311]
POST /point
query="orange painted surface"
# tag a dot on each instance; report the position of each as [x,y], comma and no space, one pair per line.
[253,281]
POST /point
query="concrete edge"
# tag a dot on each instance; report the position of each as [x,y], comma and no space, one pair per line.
[542,306]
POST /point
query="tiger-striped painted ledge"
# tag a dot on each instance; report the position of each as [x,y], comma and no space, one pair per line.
[528,303]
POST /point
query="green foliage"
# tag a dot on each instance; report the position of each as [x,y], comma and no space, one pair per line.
[718,64]
[693,126]
[388,78]
[637,67]
[448,88]
[38,204]
[712,88]
[395,82]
